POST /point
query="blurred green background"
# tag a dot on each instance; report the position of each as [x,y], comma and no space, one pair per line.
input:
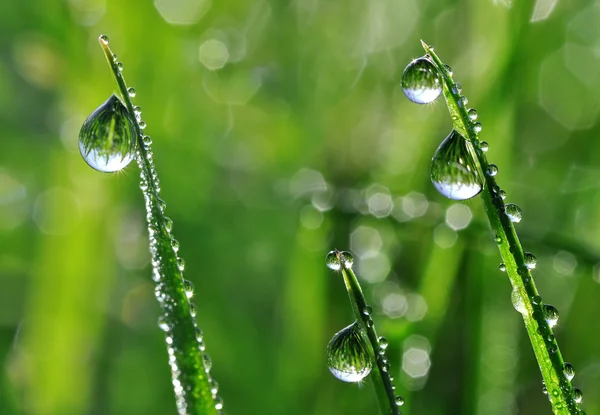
[280,132]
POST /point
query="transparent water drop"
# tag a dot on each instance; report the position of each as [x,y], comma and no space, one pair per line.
[502,267]
[169,224]
[367,310]
[218,403]
[348,357]
[162,323]
[399,401]
[551,315]
[518,302]
[188,286]
[175,245]
[421,81]
[492,170]
[104,39]
[107,139]
[472,114]
[577,395]
[477,127]
[569,371]
[484,146]
[347,259]
[454,172]
[448,69]
[180,264]
[536,299]
[463,101]
[383,343]
[214,387]
[530,260]
[193,310]
[502,194]
[199,335]
[142,125]
[513,212]
[332,260]
[137,110]
[147,140]
[207,362]
[369,322]
[131,92]
[120,66]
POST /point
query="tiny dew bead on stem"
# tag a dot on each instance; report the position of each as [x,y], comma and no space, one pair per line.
[539,318]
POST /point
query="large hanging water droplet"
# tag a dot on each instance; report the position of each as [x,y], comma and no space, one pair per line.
[107,139]
[421,82]
[454,172]
[348,357]
[551,315]
[514,212]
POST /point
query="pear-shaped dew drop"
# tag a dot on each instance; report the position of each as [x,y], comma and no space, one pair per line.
[578,395]
[530,260]
[421,81]
[348,357]
[107,139]
[514,212]
[551,315]
[454,172]
[188,286]
[569,371]
[332,260]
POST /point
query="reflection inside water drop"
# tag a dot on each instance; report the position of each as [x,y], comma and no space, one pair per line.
[348,358]
[454,171]
[421,82]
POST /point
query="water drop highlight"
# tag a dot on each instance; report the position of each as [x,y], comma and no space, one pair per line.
[421,81]
[107,139]
[454,171]
[348,357]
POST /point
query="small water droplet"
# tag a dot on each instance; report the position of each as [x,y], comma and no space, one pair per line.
[551,315]
[530,260]
[477,127]
[218,403]
[137,110]
[199,335]
[369,322]
[168,224]
[383,343]
[502,267]
[502,194]
[498,239]
[421,82]
[180,264]
[348,358]
[569,371]
[347,259]
[193,310]
[472,114]
[517,302]
[577,395]
[120,66]
[162,323]
[147,140]
[399,401]
[454,172]
[142,125]
[104,39]
[536,299]
[367,310]
[492,170]
[131,92]
[214,387]
[332,260]
[448,69]
[144,185]
[207,362]
[463,101]
[188,286]
[513,212]
[107,139]
[175,245]
[484,146]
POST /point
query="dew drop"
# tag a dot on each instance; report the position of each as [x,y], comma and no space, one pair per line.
[169,224]
[104,39]
[136,110]
[569,371]
[348,357]
[369,322]
[175,245]
[188,286]
[180,264]
[214,387]
[477,127]
[120,66]
[142,125]
[367,310]
[347,259]
[513,212]
[454,172]
[517,302]
[472,114]
[207,362]
[147,140]
[218,403]
[550,315]
[399,401]
[421,82]
[536,299]
[484,146]
[502,194]
[502,267]
[463,101]
[492,170]
[107,139]
[199,335]
[162,323]
[383,343]
[193,310]
[530,260]
[578,395]
[131,92]
[448,69]
[332,260]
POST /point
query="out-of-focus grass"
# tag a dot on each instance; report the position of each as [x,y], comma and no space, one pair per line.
[302,142]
